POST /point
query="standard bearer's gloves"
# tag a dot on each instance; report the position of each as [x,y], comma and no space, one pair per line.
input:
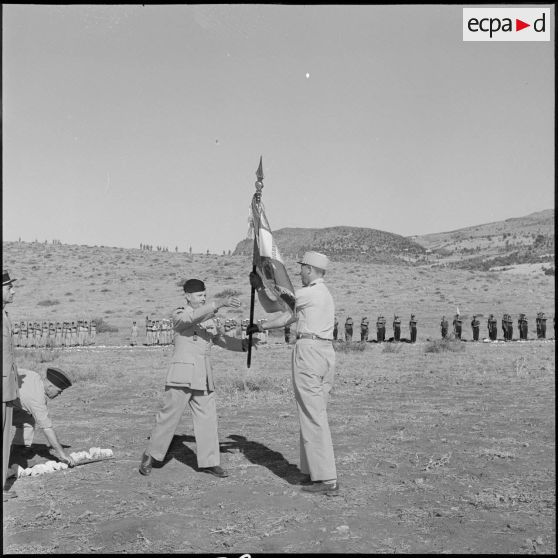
[255,281]
[253,328]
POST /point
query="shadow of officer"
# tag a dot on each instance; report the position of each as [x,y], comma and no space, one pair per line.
[260,454]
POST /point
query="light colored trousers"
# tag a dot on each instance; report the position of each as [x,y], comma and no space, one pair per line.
[204,414]
[313,371]
[6,439]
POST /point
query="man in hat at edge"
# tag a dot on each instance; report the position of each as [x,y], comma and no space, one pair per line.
[313,368]
[190,380]
[10,389]
[31,412]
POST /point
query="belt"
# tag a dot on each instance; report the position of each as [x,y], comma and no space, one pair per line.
[311,336]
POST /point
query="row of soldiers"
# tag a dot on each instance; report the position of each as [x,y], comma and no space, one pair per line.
[492,326]
[54,334]
[157,332]
[380,329]
[507,328]
[160,332]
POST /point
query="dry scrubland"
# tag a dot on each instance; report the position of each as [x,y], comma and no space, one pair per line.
[436,452]
[121,285]
[448,451]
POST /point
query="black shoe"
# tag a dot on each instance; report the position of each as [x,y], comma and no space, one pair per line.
[216,471]
[322,488]
[146,464]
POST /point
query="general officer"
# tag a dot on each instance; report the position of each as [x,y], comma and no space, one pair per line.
[10,388]
[413,328]
[31,412]
[190,381]
[313,368]
[444,327]
[475,325]
[396,328]
[349,329]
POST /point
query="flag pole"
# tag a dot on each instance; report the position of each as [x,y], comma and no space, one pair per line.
[257,200]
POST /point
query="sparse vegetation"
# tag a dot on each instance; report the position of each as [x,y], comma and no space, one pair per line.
[444,345]
[228,292]
[104,327]
[48,302]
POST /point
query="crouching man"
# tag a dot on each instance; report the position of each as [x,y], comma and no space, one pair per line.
[31,411]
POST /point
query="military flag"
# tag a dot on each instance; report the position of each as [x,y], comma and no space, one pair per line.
[266,257]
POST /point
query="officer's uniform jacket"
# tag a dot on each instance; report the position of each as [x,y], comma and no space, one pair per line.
[193,338]
[10,390]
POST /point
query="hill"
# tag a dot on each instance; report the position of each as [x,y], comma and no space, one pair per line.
[517,241]
[344,244]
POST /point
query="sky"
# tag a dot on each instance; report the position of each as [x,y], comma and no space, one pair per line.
[145,124]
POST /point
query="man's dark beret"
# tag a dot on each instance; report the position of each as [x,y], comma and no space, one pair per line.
[194,286]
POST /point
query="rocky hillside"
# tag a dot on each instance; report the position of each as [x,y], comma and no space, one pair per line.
[518,241]
[344,244]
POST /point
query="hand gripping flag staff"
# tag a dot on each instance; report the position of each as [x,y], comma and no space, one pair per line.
[266,259]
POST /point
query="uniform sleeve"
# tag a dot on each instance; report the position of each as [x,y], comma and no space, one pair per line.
[186,317]
[303,298]
[269,303]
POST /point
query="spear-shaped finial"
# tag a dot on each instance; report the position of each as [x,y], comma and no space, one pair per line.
[259,182]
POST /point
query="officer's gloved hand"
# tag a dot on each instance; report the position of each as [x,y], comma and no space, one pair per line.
[255,281]
[253,328]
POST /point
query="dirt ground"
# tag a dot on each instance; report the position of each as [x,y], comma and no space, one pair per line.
[448,452]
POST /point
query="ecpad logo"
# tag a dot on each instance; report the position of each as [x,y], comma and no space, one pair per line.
[506,24]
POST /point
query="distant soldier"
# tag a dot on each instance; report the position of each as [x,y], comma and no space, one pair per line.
[23,334]
[86,334]
[73,335]
[505,326]
[92,332]
[335,328]
[287,334]
[541,326]
[16,338]
[58,334]
[243,326]
[381,329]
[149,334]
[457,324]
[157,333]
[233,324]
[146,325]
[37,334]
[492,328]
[396,328]
[364,329]
[164,332]
[134,335]
[413,328]
[52,334]
[262,334]
[80,336]
[444,327]
[475,325]
[522,326]
[509,327]
[44,334]
[349,329]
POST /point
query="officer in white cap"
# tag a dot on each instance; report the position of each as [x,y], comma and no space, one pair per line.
[313,368]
